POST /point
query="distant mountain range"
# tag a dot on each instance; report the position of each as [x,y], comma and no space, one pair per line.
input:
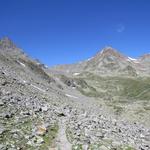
[109,62]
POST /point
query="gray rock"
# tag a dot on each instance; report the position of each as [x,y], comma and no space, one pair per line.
[103,147]
[1,102]
[2,147]
[2,129]
[116,144]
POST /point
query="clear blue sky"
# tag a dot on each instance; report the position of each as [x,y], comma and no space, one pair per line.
[67,31]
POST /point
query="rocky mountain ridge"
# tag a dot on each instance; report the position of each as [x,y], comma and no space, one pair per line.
[109,62]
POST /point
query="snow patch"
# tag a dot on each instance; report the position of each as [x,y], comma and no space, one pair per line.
[90,59]
[22,64]
[132,60]
[38,63]
[102,51]
[76,73]
[38,88]
[46,66]
[24,81]
[68,95]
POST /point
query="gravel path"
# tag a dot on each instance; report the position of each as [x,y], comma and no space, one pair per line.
[62,141]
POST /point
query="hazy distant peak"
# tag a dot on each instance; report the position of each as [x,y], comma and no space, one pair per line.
[145,58]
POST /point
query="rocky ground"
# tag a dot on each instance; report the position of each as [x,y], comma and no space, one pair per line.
[47,111]
[31,121]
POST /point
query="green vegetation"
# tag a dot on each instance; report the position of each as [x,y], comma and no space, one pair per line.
[147,108]
[49,137]
[69,135]
[11,135]
[77,147]
[94,146]
[118,109]
[90,91]
[136,88]
[123,87]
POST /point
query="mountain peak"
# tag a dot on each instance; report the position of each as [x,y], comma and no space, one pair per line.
[109,50]
[6,42]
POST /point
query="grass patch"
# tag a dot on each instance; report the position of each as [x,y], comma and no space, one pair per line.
[94,146]
[137,88]
[77,147]
[146,107]
[49,137]
[118,109]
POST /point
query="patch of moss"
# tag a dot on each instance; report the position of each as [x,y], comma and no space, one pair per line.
[118,109]
[26,127]
[128,148]
[147,107]
[77,147]
[69,135]
[91,92]
[94,146]
[49,137]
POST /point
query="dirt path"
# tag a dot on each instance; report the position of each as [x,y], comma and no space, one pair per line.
[62,141]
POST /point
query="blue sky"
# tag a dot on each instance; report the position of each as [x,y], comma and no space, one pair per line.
[67,31]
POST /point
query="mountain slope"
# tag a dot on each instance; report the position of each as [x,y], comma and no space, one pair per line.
[101,103]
